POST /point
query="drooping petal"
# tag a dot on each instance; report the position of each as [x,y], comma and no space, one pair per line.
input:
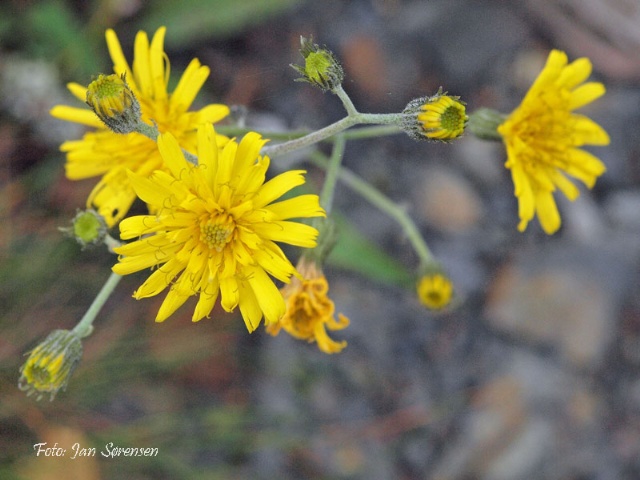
[547,212]
[171,303]
[268,297]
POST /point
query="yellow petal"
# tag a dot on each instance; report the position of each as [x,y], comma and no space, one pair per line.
[556,61]
[574,74]
[524,193]
[132,227]
[271,259]
[128,265]
[172,155]
[278,186]
[78,91]
[230,293]
[547,211]
[160,279]
[302,206]
[268,296]
[120,64]
[247,153]
[77,115]
[188,87]
[156,66]
[584,166]
[585,94]
[212,113]
[141,68]
[588,132]
[207,152]
[206,302]
[149,191]
[293,233]
[565,186]
[172,302]
[249,308]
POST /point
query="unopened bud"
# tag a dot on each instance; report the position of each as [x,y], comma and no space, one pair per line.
[51,364]
[321,68]
[114,103]
[440,117]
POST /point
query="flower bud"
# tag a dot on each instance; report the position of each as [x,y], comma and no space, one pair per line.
[321,68]
[51,364]
[441,117]
[88,228]
[114,103]
[435,289]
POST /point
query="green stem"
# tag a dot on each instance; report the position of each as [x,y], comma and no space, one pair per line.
[383,203]
[346,101]
[354,134]
[85,325]
[333,169]
[372,132]
[331,130]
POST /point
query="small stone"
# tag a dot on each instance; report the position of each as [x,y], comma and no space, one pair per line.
[449,202]
[554,305]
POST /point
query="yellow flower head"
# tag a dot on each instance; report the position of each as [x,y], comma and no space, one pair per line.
[51,364]
[543,135]
[215,229]
[435,290]
[309,310]
[441,117]
[105,153]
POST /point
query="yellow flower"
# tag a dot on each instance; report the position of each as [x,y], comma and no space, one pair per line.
[51,364]
[435,291]
[441,117]
[309,310]
[108,154]
[215,229]
[542,137]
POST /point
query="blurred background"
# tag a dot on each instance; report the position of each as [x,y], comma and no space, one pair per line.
[533,376]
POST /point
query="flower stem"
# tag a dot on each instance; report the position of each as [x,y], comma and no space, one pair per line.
[332,129]
[346,101]
[85,325]
[333,169]
[379,200]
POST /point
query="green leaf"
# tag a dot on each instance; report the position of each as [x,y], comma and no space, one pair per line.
[356,253]
[191,20]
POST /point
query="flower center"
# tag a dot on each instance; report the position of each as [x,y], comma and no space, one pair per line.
[217,232]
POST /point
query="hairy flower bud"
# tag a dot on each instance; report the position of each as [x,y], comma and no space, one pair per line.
[114,103]
[51,364]
[321,68]
[440,117]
